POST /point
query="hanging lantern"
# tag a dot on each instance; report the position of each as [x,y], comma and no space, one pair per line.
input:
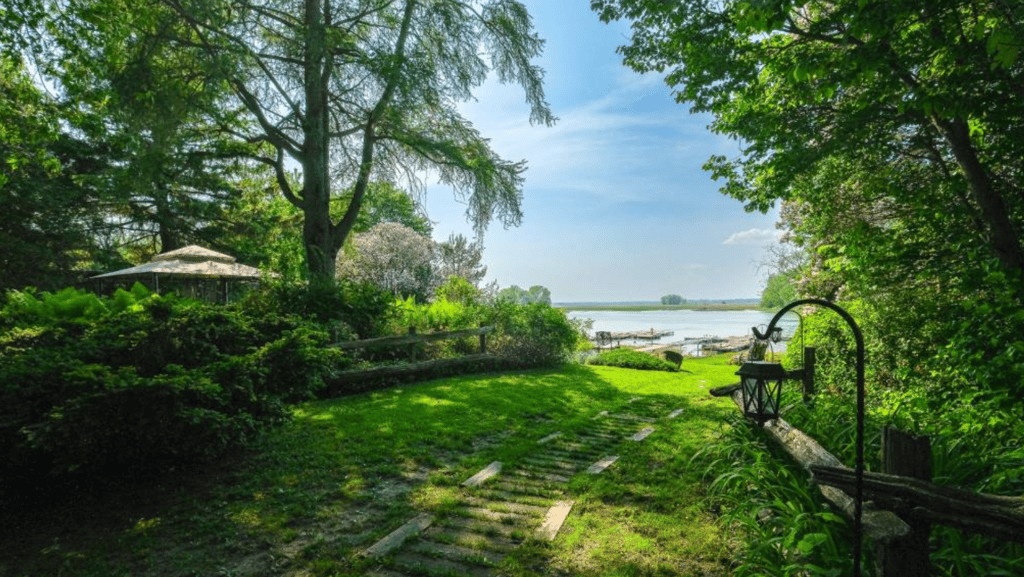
[761,384]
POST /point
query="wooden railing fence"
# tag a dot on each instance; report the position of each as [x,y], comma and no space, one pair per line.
[413,366]
[905,502]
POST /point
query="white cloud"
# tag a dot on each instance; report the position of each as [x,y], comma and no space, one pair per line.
[631,144]
[754,236]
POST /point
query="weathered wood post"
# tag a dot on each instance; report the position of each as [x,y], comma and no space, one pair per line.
[483,341]
[412,346]
[808,376]
[909,456]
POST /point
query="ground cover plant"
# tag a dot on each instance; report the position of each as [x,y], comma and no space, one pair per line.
[631,359]
[344,472]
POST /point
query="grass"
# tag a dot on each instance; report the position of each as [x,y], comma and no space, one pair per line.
[347,471]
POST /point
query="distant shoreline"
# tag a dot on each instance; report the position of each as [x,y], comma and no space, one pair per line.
[698,306]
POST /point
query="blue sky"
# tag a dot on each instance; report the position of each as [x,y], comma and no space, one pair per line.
[616,206]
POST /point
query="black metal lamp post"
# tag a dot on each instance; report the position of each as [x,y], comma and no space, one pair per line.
[772,331]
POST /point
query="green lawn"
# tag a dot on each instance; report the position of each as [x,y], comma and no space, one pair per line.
[347,471]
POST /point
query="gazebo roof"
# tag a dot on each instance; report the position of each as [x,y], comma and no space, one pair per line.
[190,262]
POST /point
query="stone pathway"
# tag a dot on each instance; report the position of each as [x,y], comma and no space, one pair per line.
[503,506]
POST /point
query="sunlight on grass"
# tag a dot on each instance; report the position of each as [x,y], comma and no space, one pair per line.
[347,471]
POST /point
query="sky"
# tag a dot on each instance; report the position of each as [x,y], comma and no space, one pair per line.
[616,206]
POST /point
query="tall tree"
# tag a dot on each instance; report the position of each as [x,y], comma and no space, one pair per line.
[365,90]
[139,89]
[461,258]
[47,212]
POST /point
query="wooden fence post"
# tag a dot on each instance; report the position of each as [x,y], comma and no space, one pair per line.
[412,346]
[809,359]
[483,341]
[909,456]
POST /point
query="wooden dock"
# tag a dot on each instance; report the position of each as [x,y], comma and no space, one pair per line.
[651,335]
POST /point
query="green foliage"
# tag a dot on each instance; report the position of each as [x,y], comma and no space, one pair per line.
[672,300]
[458,289]
[779,291]
[630,359]
[47,206]
[530,335]
[787,527]
[349,306]
[440,315]
[525,335]
[517,295]
[383,202]
[161,382]
[24,308]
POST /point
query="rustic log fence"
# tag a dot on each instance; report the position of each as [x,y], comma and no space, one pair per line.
[415,366]
[904,501]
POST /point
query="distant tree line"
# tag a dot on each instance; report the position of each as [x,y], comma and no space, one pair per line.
[672,300]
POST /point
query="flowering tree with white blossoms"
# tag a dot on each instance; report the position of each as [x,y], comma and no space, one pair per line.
[392,256]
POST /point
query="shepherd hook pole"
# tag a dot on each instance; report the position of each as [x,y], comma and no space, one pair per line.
[859,468]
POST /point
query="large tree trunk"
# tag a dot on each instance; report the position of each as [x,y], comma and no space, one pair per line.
[1005,241]
[316,184]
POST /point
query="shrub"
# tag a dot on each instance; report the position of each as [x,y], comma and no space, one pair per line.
[630,359]
[170,381]
[362,307]
[531,335]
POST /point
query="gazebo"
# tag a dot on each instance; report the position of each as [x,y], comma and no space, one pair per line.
[192,271]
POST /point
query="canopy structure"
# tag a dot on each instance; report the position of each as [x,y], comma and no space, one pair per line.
[193,271]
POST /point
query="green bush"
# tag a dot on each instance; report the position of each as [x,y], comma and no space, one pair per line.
[167,382]
[360,307]
[630,359]
[530,335]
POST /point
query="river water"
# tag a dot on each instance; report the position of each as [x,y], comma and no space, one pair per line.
[686,324]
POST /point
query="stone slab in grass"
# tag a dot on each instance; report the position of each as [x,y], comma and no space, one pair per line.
[550,437]
[675,413]
[603,464]
[398,536]
[484,474]
[554,519]
[642,434]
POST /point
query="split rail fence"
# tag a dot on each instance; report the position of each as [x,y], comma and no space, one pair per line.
[413,365]
[905,501]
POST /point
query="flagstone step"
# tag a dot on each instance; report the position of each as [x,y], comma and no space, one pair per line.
[554,519]
[395,539]
[484,474]
[603,464]
[642,434]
